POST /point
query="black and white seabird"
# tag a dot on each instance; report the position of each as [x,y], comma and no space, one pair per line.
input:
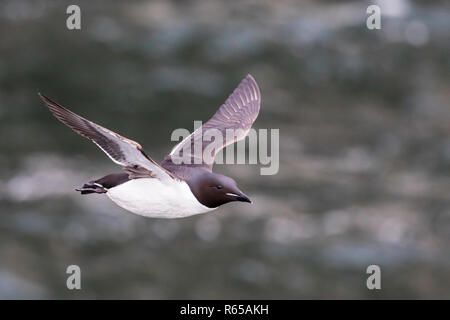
[168,189]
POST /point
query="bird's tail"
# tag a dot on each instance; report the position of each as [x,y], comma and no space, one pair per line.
[91,187]
[103,184]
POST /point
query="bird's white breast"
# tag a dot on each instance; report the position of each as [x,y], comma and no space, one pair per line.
[157,199]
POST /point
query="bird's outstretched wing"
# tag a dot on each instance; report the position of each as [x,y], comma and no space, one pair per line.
[236,115]
[125,152]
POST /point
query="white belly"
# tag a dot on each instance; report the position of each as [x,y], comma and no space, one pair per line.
[156,199]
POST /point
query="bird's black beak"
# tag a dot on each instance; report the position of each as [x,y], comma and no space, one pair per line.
[240,197]
[244,198]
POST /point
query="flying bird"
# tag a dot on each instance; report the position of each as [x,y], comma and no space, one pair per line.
[169,189]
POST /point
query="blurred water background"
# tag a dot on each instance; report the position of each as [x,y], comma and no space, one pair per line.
[364,119]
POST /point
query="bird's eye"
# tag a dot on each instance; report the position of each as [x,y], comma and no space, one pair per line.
[219,187]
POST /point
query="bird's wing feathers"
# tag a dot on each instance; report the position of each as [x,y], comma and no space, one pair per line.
[122,151]
[238,113]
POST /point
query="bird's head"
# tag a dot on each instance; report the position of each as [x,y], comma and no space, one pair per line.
[213,190]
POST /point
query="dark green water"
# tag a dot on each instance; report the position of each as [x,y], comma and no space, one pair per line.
[364,119]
